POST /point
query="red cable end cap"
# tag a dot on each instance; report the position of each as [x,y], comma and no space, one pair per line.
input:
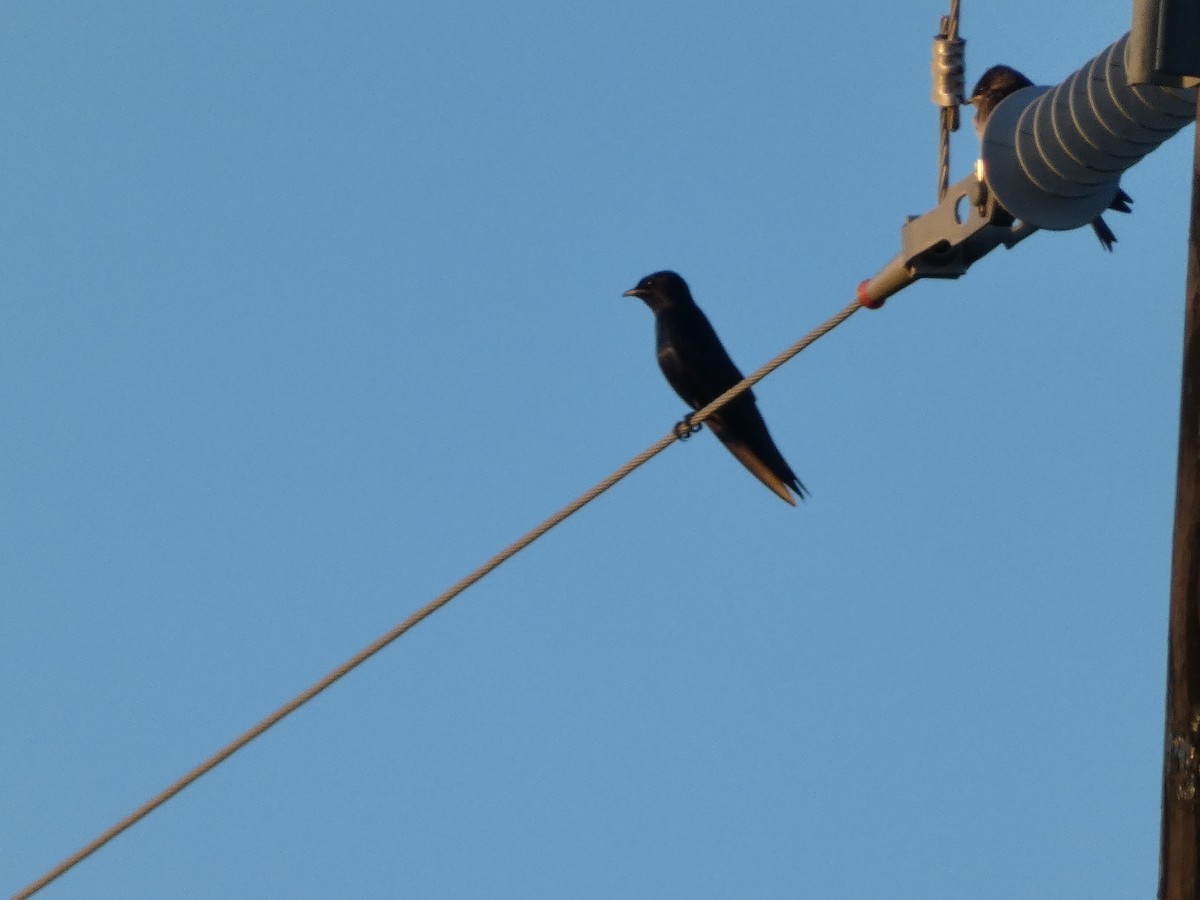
[864,298]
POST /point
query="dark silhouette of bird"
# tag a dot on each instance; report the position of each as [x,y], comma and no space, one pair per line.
[997,83]
[696,365]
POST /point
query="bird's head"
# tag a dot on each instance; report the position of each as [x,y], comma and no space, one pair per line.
[660,290]
[993,86]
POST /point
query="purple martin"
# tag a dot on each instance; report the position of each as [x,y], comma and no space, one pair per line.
[696,365]
[997,83]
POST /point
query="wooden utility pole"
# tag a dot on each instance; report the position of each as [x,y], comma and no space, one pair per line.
[1179,861]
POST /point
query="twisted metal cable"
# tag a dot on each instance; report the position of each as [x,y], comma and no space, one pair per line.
[429,609]
[948,123]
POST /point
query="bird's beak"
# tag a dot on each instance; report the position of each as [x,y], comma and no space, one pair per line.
[632,292]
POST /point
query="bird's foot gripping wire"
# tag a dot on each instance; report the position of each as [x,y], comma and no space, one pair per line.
[684,428]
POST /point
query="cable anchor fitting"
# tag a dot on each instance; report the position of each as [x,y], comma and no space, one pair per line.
[965,226]
[949,70]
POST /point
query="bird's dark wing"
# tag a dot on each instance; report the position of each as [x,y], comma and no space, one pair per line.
[740,427]
[692,357]
[698,367]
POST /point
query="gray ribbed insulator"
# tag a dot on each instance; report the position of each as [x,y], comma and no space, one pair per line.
[1053,156]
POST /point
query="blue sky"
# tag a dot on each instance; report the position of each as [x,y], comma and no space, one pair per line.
[310,308]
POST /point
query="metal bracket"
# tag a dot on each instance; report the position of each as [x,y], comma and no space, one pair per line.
[965,226]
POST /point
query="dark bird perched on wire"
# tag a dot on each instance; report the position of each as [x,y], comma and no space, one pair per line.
[997,83]
[696,365]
